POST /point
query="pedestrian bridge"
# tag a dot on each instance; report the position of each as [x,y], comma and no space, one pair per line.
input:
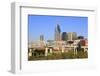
[50,48]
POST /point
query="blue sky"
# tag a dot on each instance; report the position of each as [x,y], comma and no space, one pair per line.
[45,25]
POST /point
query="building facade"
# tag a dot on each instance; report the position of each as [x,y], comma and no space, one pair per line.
[64,36]
[57,33]
[72,36]
[41,37]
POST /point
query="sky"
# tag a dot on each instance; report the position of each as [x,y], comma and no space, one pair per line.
[45,25]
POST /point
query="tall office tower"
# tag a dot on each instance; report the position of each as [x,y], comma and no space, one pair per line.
[72,36]
[64,36]
[57,33]
[42,42]
[41,37]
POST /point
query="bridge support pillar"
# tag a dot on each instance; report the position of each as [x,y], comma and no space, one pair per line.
[46,51]
[50,50]
[30,52]
[75,51]
[62,50]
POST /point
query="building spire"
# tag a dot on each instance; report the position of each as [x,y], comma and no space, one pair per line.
[57,33]
[58,28]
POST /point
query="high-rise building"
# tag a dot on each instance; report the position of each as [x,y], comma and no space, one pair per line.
[72,36]
[41,38]
[64,36]
[41,42]
[57,33]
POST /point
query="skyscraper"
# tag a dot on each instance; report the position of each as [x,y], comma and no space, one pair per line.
[72,36]
[64,36]
[42,42]
[57,33]
[41,38]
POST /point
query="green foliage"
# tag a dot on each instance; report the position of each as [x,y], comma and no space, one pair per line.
[65,55]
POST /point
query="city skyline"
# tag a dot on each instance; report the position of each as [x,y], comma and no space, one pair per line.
[45,25]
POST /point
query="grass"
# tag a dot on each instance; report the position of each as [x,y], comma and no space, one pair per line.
[65,55]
